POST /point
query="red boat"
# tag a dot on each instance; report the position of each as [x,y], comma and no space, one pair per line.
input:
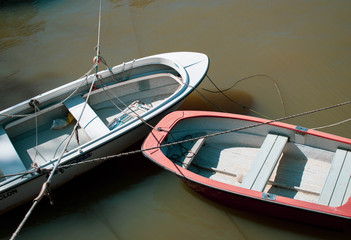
[259,165]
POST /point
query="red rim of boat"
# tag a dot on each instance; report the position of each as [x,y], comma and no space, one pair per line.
[167,123]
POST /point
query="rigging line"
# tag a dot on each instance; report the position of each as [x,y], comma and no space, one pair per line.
[104,87]
[110,70]
[263,123]
[46,186]
[237,103]
[86,75]
[14,235]
[123,103]
[17,174]
[332,125]
[69,96]
[208,100]
[73,132]
[208,135]
[98,42]
[196,138]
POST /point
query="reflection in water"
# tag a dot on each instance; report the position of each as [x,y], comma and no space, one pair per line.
[140,3]
[133,3]
[15,18]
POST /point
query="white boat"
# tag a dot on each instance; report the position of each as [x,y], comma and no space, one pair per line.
[255,164]
[111,109]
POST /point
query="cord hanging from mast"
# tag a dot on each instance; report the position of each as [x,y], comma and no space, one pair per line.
[97,57]
[46,191]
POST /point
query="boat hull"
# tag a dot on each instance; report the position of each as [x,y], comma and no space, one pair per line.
[232,143]
[268,207]
[28,190]
[164,80]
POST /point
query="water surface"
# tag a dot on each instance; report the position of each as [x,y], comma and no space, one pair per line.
[302,46]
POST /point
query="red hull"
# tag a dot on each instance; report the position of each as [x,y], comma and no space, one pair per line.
[268,208]
[242,198]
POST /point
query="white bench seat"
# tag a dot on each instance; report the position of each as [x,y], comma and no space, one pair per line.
[89,121]
[337,187]
[192,153]
[10,162]
[265,162]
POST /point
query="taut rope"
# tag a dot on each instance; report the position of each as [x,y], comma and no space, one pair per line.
[207,136]
[46,186]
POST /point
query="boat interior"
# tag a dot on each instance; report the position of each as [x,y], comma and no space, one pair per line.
[39,138]
[268,159]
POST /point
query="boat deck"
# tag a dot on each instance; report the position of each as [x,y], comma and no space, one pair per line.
[107,110]
[50,144]
[299,174]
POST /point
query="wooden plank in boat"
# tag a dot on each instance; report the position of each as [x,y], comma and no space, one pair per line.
[192,153]
[91,123]
[343,183]
[337,189]
[10,162]
[265,162]
[348,190]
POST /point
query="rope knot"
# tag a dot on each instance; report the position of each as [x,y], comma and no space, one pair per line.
[161,129]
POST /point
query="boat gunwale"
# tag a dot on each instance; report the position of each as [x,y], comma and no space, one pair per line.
[155,140]
[182,93]
[165,59]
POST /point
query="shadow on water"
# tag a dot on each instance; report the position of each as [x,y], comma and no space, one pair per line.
[83,193]
[20,3]
[14,3]
[234,101]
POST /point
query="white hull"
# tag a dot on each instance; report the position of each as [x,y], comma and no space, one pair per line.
[161,82]
[30,189]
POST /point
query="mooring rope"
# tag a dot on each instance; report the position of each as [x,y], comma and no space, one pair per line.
[125,105]
[333,124]
[209,101]
[213,134]
[209,135]
[241,105]
[187,140]
[85,76]
[46,186]
[97,60]
[204,136]
[45,190]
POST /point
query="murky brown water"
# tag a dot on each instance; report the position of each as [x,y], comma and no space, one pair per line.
[302,46]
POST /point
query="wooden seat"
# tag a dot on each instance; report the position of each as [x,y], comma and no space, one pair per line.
[10,162]
[265,162]
[89,121]
[192,153]
[337,187]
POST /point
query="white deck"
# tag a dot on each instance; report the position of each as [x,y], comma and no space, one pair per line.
[162,82]
[299,174]
[88,120]
[93,122]
[10,162]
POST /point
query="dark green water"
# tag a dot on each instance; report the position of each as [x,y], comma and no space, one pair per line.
[303,46]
